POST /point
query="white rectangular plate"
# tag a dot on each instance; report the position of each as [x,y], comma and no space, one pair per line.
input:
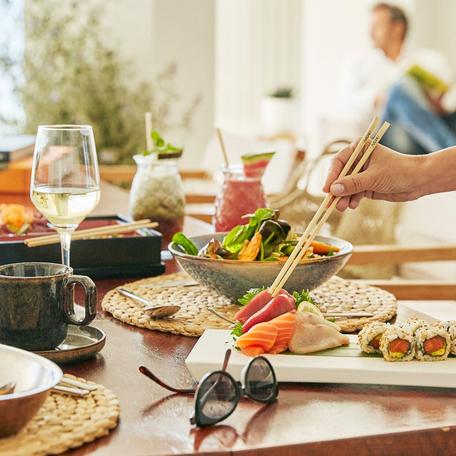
[340,365]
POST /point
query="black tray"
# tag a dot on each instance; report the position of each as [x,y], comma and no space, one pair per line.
[129,256]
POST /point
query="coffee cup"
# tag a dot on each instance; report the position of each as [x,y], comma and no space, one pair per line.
[36,304]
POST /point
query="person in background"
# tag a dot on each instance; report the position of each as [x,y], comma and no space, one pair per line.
[405,87]
[392,176]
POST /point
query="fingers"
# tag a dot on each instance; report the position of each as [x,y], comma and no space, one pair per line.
[337,165]
[343,204]
[352,185]
[355,200]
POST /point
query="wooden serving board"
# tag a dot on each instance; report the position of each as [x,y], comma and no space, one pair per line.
[340,365]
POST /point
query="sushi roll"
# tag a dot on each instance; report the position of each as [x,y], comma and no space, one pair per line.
[412,324]
[450,328]
[432,342]
[397,344]
[369,337]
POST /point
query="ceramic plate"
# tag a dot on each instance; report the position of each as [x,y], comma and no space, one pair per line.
[81,343]
[340,365]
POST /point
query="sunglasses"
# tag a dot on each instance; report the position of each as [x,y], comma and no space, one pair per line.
[218,393]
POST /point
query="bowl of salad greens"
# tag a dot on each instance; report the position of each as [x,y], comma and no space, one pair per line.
[251,256]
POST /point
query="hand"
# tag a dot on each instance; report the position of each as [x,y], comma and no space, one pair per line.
[387,175]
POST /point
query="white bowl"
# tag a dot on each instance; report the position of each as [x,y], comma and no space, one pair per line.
[34,376]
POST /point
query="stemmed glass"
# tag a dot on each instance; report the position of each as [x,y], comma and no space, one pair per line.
[65,178]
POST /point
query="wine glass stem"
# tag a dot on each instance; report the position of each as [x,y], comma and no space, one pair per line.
[65,242]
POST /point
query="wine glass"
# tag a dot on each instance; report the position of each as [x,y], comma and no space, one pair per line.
[65,178]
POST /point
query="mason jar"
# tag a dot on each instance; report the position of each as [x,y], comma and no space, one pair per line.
[157,193]
[239,195]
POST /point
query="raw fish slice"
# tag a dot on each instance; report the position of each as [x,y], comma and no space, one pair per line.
[313,333]
[259,301]
[252,351]
[276,306]
[285,325]
[261,336]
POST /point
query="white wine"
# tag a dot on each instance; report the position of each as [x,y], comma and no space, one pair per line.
[65,207]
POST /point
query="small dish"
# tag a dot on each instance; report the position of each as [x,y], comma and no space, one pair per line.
[33,377]
[81,343]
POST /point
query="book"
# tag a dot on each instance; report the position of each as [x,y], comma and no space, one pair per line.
[13,148]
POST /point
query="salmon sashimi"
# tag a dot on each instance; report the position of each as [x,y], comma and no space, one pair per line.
[279,305]
[253,351]
[262,335]
[285,325]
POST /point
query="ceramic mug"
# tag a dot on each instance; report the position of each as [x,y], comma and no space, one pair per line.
[36,304]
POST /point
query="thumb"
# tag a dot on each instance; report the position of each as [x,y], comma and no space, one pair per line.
[351,185]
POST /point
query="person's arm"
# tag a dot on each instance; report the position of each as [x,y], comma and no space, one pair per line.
[391,176]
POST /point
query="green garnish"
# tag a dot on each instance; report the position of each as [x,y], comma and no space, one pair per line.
[160,146]
[237,330]
[185,244]
[303,296]
[249,295]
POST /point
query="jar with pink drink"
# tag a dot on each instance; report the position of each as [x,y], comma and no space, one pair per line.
[242,191]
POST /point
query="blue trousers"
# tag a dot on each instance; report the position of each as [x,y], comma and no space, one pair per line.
[415,128]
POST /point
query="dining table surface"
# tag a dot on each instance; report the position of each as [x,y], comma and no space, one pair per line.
[307,418]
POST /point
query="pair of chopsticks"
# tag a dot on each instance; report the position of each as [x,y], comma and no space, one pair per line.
[92,232]
[329,203]
[74,387]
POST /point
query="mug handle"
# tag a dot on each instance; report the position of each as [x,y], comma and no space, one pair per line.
[90,301]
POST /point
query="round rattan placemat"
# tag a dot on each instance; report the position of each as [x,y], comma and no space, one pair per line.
[65,422]
[193,318]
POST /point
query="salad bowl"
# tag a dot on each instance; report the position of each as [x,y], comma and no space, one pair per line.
[232,278]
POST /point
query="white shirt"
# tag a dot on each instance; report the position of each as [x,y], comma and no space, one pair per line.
[373,74]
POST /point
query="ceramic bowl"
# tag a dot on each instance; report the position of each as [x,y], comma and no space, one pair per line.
[34,377]
[233,278]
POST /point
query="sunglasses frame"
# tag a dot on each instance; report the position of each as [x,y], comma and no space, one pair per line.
[200,420]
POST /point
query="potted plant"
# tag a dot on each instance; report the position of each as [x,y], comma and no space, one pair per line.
[279,111]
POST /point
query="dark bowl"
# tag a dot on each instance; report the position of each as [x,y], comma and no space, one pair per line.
[233,278]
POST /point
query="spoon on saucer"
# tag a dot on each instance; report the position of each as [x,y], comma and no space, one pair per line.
[8,388]
[153,311]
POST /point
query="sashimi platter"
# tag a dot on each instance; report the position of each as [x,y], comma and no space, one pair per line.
[305,345]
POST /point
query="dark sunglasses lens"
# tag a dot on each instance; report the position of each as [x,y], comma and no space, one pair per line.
[260,381]
[218,397]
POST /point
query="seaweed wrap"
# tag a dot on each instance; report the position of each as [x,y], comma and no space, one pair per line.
[432,342]
[369,337]
[397,344]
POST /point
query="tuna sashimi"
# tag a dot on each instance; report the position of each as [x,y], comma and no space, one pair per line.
[257,303]
[258,340]
[285,325]
[276,306]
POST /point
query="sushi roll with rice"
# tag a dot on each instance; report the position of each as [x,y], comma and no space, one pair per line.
[433,342]
[450,328]
[412,324]
[369,337]
[397,344]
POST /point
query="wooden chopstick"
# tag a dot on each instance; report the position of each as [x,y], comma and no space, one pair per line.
[93,232]
[326,202]
[307,237]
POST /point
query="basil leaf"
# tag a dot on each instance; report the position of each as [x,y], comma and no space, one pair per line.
[185,244]
[249,295]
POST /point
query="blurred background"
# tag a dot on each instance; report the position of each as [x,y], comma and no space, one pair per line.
[268,72]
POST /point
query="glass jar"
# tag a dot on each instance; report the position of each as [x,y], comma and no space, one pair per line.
[240,195]
[157,193]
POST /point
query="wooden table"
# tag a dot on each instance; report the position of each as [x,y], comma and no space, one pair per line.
[307,419]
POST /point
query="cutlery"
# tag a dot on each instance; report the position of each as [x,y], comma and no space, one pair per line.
[8,388]
[153,311]
[172,284]
[74,387]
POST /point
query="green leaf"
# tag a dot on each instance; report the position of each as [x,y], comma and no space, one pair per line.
[249,295]
[237,330]
[235,238]
[185,244]
[157,139]
[303,296]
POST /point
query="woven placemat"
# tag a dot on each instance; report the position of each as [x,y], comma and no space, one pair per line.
[65,422]
[335,295]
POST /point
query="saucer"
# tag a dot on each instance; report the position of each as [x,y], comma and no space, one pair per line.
[81,343]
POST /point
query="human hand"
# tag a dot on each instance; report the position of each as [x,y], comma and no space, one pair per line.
[387,175]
